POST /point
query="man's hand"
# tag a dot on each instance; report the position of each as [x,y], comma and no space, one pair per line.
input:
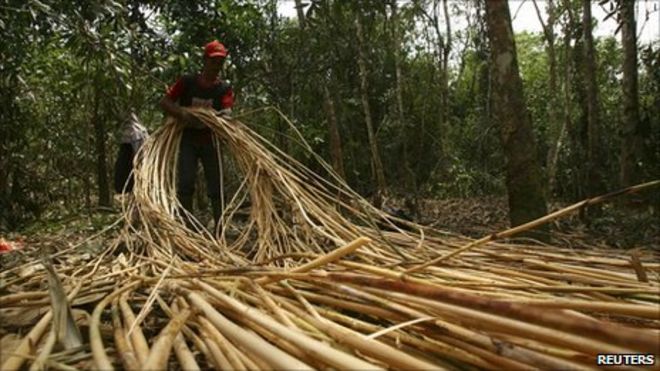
[184,116]
[224,113]
[190,120]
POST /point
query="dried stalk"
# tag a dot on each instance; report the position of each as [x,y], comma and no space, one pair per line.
[160,351]
[251,342]
[501,306]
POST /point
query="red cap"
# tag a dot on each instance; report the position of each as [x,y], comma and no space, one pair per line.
[215,49]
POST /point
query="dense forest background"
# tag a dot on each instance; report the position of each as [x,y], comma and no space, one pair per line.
[394,95]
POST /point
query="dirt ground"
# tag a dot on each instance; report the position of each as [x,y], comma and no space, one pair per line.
[475,217]
[617,227]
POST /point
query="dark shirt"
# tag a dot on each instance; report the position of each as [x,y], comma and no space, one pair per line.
[194,91]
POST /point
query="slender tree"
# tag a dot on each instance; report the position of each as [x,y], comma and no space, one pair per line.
[554,107]
[336,155]
[523,172]
[630,141]
[566,102]
[376,163]
[444,44]
[576,92]
[100,134]
[407,174]
[594,179]
[445,65]
[301,13]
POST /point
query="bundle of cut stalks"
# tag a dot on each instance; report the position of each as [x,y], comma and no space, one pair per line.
[316,278]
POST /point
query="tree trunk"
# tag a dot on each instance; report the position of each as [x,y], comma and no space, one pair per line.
[579,125]
[301,14]
[396,48]
[567,119]
[630,141]
[336,155]
[594,182]
[445,67]
[281,78]
[443,48]
[6,137]
[523,172]
[88,193]
[408,174]
[555,127]
[443,55]
[376,164]
[101,155]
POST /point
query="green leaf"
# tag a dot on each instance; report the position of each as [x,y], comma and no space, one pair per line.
[43,7]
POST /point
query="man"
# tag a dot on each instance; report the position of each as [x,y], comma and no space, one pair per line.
[133,135]
[207,90]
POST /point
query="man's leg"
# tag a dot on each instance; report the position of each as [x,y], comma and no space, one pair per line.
[123,168]
[211,165]
[186,172]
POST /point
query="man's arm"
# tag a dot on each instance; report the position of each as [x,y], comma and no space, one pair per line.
[171,108]
[227,103]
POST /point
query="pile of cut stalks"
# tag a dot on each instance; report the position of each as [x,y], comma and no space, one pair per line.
[317,278]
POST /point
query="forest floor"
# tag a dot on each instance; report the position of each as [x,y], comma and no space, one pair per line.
[624,229]
[617,227]
[474,217]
